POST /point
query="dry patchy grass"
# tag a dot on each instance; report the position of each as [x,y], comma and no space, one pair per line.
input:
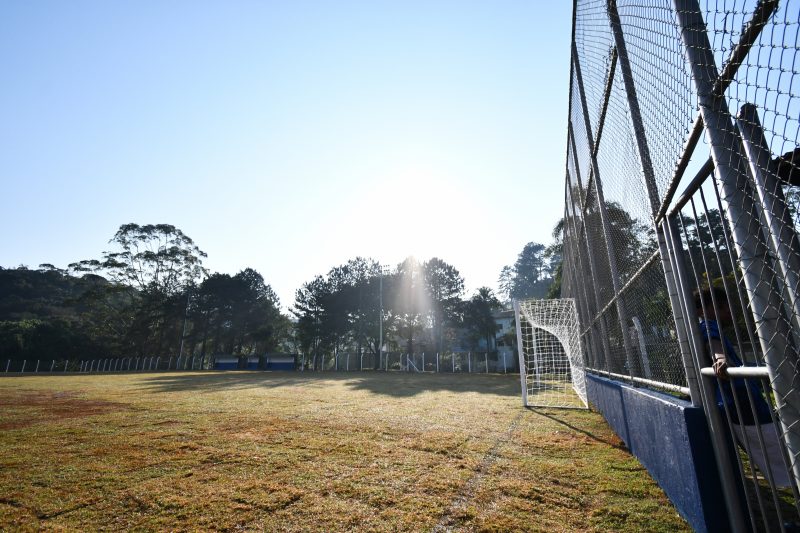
[306,452]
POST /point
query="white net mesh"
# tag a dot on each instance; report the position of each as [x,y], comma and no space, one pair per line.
[550,355]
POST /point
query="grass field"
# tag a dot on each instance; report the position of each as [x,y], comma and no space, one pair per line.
[270,451]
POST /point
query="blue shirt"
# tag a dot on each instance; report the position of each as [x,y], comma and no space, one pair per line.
[760,413]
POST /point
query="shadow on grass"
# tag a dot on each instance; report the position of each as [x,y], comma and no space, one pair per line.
[562,420]
[396,384]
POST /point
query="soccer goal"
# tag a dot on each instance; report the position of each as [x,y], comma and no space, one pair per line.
[550,357]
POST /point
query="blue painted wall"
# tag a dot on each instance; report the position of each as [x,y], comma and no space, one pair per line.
[670,438]
[281,366]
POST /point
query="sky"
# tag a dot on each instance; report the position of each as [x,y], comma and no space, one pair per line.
[286,136]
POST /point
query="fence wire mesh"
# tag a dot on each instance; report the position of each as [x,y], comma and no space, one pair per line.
[650,78]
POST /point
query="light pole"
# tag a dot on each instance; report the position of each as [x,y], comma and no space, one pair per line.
[384,270]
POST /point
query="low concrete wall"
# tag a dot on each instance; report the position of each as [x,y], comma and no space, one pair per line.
[670,438]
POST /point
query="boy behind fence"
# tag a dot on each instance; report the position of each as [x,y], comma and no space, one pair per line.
[746,420]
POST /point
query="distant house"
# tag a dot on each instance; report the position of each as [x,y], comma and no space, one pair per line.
[504,341]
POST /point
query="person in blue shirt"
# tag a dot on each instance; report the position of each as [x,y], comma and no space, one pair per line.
[749,418]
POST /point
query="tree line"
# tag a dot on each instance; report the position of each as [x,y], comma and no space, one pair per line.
[151,295]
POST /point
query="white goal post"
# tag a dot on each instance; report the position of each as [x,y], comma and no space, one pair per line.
[551,365]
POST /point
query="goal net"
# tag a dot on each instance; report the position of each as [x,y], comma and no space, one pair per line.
[550,356]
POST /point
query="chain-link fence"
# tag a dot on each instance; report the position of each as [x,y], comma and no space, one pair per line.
[682,255]
[112,364]
[446,362]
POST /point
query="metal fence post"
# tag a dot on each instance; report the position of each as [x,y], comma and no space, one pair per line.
[728,477]
[731,173]
[604,222]
[692,377]
[591,260]
[779,226]
[24,361]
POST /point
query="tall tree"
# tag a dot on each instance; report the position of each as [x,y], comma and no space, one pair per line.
[445,287]
[154,265]
[479,316]
[309,312]
[410,301]
[153,257]
[529,276]
[236,314]
[554,255]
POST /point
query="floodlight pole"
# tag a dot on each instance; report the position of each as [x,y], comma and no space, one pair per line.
[380,319]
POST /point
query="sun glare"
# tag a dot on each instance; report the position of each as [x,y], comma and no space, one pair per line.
[415,214]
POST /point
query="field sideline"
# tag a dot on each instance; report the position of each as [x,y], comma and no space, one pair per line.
[275,451]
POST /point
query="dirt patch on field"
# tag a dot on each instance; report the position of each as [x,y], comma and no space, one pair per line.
[25,408]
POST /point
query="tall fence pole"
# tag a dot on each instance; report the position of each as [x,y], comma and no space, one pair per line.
[648,174]
[781,236]
[571,227]
[590,257]
[601,204]
[737,196]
